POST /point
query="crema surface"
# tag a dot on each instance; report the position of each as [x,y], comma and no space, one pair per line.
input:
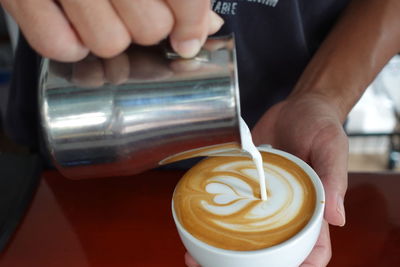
[218,202]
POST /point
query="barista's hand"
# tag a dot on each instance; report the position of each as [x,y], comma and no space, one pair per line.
[67,30]
[309,127]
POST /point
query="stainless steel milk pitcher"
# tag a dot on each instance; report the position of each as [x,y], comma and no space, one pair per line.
[121,116]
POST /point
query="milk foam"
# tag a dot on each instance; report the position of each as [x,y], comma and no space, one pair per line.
[232,195]
[218,201]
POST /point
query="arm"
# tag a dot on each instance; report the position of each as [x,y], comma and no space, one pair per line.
[358,47]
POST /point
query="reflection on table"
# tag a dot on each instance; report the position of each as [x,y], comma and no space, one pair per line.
[127,222]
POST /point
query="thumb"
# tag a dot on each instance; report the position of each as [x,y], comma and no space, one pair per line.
[189,261]
[329,158]
[193,21]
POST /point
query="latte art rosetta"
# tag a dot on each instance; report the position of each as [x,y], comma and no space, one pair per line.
[218,201]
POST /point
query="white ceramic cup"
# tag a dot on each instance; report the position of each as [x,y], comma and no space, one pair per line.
[289,253]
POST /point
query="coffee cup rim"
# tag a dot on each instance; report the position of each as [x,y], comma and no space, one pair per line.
[314,220]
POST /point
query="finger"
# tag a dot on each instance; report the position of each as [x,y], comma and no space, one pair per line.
[215,22]
[88,72]
[98,26]
[329,158]
[148,21]
[61,69]
[117,69]
[191,25]
[185,65]
[322,251]
[56,40]
[189,261]
[146,64]
[214,44]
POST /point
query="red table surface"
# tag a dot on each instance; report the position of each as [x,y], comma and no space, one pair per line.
[127,222]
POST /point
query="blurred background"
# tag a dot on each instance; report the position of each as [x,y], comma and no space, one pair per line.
[372,126]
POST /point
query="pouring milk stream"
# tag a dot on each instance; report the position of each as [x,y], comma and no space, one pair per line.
[249,147]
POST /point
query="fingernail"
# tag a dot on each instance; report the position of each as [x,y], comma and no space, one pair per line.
[340,210]
[187,49]
[216,22]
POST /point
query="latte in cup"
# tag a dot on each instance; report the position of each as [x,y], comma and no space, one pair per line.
[218,202]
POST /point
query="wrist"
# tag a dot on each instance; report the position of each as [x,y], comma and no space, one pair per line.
[316,98]
[327,86]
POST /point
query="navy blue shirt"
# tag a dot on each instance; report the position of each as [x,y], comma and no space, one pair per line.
[275,40]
